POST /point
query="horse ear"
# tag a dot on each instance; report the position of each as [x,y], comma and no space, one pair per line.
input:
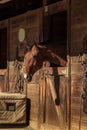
[35,43]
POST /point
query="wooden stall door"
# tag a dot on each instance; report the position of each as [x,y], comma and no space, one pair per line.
[53,102]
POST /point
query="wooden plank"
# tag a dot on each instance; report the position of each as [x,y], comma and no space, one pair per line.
[54,96]
[55,7]
[32,90]
[55,71]
[3,23]
[33,22]
[78,31]
[42,84]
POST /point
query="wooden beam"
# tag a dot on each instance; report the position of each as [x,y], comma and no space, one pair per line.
[55,7]
[69,64]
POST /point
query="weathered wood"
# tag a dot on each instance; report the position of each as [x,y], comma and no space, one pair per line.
[78,35]
[50,112]
[55,7]
[42,84]
[55,70]
[54,96]
[77,30]
[3,80]
[33,96]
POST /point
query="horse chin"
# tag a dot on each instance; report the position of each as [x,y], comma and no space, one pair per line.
[27,77]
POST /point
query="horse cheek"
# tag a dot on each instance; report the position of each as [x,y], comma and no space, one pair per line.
[26,69]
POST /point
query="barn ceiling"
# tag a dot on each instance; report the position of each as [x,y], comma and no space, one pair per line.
[10,8]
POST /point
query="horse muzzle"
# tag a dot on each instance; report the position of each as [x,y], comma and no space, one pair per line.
[27,77]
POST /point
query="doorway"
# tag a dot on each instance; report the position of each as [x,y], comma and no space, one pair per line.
[55,33]
[3,48]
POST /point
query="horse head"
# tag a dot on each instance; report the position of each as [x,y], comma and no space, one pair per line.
[30,62]
[34,59]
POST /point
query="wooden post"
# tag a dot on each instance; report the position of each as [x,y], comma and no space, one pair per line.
[42,99]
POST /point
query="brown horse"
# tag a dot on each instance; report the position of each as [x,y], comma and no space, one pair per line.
[34,59]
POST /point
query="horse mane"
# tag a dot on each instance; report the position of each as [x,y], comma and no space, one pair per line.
[51,56]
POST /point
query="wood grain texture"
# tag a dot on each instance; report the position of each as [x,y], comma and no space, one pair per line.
[78,32]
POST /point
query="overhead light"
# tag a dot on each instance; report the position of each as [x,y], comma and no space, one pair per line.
[4,1]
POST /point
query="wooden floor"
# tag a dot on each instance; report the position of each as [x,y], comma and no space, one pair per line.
[43,127]
[15,128]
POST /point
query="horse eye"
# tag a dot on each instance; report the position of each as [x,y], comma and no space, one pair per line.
[35,56]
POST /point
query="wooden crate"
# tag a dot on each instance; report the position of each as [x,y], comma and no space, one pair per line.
[12,108]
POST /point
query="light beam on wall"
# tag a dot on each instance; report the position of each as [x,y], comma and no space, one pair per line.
[4,1]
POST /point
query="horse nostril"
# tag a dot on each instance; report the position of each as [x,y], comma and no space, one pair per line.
[27,77]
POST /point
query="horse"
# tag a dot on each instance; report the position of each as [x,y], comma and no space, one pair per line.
[33,59]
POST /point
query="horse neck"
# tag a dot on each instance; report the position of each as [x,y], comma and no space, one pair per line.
[43,56]
[51,56]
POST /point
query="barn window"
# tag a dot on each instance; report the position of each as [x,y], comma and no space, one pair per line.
[3,48]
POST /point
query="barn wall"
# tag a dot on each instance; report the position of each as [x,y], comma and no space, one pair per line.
[78,33]
[15,24]
[30,22]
